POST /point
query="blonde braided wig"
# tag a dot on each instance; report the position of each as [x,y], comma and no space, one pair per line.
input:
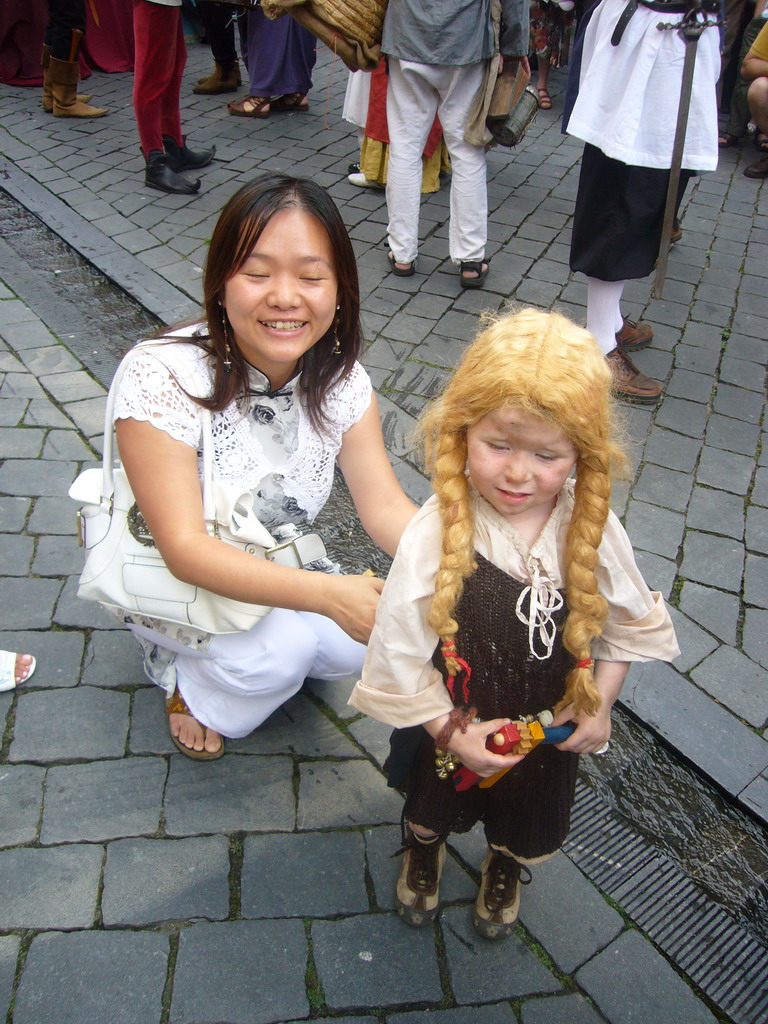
[545,365]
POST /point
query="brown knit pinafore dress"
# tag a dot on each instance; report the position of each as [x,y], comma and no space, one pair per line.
[528,810]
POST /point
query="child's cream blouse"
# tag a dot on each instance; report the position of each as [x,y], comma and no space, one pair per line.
[399,683]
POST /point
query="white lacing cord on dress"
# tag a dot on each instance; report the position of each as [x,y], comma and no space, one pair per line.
[544,600]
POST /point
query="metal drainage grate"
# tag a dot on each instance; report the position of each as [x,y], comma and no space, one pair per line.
[727,962]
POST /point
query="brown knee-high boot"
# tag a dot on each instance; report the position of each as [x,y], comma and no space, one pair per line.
[47,101]
[64,76]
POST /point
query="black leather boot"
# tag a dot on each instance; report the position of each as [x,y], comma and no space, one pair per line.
[182,159]
[161,175]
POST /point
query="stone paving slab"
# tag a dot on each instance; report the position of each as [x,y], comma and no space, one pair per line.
[9,951]
[103,800]
[501,1013]
[483,970]
[59,656]
[631,984]
[221,796]
[578,925]
[70,724]
[372,960]
[317,874]
[244,972]
[150,880]
[344,793]
[21,800]
[297,728]
[87,977]
[49,888]
[696,726]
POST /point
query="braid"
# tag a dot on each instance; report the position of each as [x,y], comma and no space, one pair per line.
[548,367]
[457,554]
[587,610]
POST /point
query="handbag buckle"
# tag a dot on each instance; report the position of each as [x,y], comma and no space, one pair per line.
[292,549]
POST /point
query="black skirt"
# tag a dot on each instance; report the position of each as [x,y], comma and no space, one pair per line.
[619,216]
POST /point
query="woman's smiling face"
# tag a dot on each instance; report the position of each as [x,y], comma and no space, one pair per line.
[283,299]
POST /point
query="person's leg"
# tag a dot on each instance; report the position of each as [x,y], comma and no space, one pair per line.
[604,318]
[758,105]
[217,18]
[739,115]
[411,106]
[545,100]
[60,60]
[468,228]
[170,113]
[244,677]
[155,30]
[158,67]
[63,17]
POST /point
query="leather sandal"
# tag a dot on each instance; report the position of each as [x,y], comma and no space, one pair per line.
[407,270]
[295,101]
[249,106]
[727,139]
[545,100]
[479,267]
[176,705]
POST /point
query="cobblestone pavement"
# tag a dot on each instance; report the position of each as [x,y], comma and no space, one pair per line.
[139,887]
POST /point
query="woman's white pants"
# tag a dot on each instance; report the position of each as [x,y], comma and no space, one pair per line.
[241,678]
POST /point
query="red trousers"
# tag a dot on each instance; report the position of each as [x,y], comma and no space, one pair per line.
[160,57]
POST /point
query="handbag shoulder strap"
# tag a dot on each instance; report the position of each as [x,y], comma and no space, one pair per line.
[107,485]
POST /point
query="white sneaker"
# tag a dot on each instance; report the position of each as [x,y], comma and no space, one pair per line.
[361,181]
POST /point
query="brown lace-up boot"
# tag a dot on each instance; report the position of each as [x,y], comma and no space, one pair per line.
[498,900]
[629,384]
[417,896]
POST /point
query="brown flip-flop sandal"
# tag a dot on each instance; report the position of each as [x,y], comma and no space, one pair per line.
[176,705]
[249,106]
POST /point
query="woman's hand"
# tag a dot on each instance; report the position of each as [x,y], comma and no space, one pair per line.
[352,603]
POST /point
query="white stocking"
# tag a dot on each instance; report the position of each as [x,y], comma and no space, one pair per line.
[603,311]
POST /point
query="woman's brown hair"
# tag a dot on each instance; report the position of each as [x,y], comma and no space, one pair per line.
[237,230]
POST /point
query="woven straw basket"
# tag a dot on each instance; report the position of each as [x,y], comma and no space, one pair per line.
[351,28]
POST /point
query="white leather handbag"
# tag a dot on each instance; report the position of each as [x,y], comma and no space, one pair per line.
[123,567]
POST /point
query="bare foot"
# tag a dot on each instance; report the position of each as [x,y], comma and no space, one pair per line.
[24,664]
[193,735]
[15,669]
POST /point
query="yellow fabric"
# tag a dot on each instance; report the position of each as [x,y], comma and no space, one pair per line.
[759,48]
[374,158]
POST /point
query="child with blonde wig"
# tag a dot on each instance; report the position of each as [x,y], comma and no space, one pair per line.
[514,592]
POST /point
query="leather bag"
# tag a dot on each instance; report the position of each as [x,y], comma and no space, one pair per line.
[123,567]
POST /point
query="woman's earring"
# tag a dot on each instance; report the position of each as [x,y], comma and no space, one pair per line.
[225,329]
[336,342]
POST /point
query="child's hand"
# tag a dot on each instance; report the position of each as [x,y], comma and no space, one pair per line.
[470,748]
[592,731]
